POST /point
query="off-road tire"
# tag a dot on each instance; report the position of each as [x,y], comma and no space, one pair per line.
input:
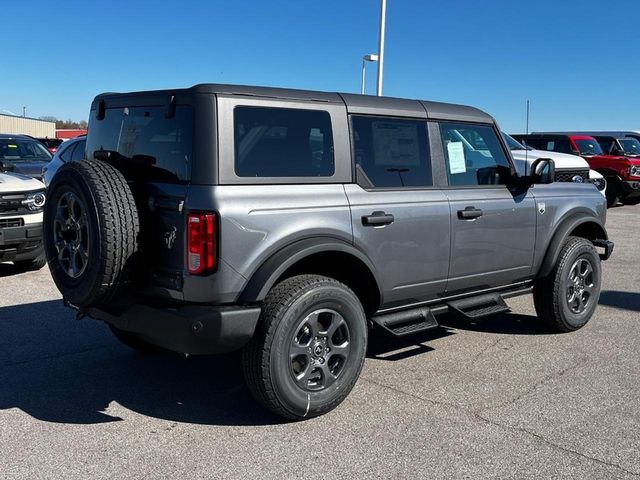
[613,192]
[266,358]
[550,292]
[113,230]
[31,265]
[135,342]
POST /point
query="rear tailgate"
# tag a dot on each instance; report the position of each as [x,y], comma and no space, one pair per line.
[149,138]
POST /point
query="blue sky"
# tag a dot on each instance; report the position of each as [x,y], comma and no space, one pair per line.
[574,59]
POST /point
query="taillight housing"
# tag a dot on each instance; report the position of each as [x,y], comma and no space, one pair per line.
[201,243]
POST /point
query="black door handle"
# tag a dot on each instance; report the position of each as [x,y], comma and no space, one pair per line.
[377,219]
[469,213]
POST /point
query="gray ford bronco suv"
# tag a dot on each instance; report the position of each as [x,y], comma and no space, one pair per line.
[287,223]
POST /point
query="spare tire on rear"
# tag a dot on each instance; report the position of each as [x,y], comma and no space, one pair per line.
[91,229]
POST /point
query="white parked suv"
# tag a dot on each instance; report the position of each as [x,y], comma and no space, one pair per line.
[22,201]
[569,168]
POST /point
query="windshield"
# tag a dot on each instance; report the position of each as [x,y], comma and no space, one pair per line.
[588,147]
[23,150]
[512,143]
[630,146]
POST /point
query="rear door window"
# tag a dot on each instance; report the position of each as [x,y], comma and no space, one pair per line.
[282,142]
[144,136]
[392,152]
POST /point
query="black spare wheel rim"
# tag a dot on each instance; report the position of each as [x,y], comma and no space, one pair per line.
[580,285]
[319,349]
[71,234]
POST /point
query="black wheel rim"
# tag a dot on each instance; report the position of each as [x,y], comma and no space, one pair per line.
[71,234]
[580,287]
[319,349]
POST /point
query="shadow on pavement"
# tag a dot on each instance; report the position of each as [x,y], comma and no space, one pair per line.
[505,324]
[624,300]
[58,369]
[9,269]
[384,347]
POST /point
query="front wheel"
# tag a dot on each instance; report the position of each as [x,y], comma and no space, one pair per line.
[613,192]
[566,299]
[309,348]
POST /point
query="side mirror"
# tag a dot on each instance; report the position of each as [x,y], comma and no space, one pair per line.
[543,171]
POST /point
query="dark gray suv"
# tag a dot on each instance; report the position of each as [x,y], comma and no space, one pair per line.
[288,223]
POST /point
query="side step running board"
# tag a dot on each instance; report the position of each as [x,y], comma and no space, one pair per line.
[478,307]
[405,323]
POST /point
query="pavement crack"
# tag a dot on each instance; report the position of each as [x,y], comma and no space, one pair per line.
[478,416]
[538,384]
[414,396]
[477,356]
[554,445]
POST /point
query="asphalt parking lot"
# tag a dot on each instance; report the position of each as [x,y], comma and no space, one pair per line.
[499,399]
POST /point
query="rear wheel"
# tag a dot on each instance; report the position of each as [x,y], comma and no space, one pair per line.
[309,348]
[566,299]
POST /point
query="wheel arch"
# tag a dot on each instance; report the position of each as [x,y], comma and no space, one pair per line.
[580,225]
[321,256]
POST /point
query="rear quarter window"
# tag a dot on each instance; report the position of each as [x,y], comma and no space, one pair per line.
[282,142]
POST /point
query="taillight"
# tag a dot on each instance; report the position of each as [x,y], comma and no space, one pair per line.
[201,243]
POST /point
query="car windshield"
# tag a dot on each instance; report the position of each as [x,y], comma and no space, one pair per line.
[630,146]
[588,147]
[23,150]
[512,143]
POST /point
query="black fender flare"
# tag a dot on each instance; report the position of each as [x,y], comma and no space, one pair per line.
[268,273]
[560,236]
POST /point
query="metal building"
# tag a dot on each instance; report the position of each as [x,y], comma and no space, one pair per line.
[27,126]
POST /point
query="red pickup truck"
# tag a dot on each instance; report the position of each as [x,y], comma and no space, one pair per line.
[621,172]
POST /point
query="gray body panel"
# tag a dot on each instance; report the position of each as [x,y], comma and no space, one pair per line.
[256,221]
[412,252]
[495,248]
[561,203]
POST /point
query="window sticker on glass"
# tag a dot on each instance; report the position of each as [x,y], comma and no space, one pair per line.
[396,144]
[457,163]
[550,145]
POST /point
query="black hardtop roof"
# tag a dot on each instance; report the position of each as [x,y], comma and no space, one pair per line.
[15,135]
[363,104]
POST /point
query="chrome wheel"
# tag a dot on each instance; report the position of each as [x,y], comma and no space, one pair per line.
[71,235]
[580,287]
[319,349]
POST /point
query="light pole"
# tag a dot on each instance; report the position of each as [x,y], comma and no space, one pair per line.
[383,15]
[366,58]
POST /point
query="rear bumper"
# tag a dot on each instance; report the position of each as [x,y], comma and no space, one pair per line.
[193,329]
[20,243]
